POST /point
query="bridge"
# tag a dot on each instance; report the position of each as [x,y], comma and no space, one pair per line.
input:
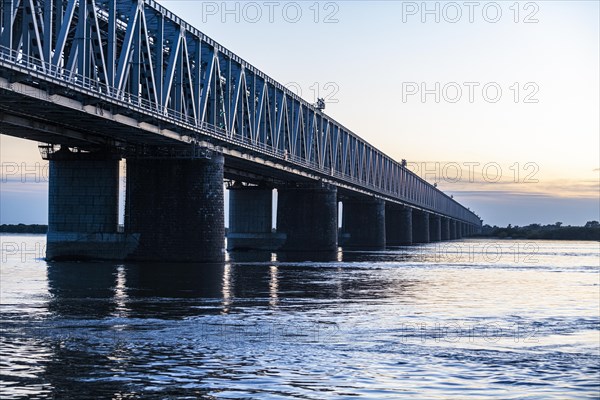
[98,81]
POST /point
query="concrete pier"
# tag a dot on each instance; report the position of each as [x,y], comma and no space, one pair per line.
[308,217]
[398,225]
[420,226]
[363,222]
[176,207]
[250,218]
[83,196]
[453,235]
[445,228]
[435,228]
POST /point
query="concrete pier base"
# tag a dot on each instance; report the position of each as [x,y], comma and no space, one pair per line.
[421,227]
[435,228]
[250,219]
[83,196]
[363,223]
[398,225]
[176,207]
[445,228]
[308,218]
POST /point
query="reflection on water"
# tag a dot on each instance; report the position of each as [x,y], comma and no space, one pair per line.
[466,318]
[174,291]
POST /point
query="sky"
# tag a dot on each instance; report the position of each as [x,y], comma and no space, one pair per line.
[496,102]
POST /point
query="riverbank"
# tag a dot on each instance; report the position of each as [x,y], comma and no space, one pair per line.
[23,228]
[591,231]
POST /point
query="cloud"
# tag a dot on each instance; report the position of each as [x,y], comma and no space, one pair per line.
[563,188]
[526,178]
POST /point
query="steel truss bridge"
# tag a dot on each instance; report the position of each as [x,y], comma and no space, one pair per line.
[133,76]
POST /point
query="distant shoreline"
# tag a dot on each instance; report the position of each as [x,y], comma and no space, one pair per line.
[591,231]
[588,233]
[24,228]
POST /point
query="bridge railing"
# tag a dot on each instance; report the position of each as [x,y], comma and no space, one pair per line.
[87,86]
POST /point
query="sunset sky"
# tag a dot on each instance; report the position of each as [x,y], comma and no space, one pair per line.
[528,154]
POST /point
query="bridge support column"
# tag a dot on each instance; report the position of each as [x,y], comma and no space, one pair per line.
[459,230]
[398,225]
[445,228]
[420,227]
[250,218]
[83,197]
[363,223]
[176,207]
[435,228]
[308,218]
[453,233]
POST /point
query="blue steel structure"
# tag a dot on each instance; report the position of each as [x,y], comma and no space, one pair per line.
[131,75]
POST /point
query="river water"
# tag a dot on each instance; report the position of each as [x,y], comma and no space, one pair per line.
[469,318]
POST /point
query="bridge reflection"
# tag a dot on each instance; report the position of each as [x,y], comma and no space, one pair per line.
[113,325]
[248,279]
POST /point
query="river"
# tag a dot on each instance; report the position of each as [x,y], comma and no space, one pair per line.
[470,318]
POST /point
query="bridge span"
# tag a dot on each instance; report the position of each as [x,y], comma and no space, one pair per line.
[98,81]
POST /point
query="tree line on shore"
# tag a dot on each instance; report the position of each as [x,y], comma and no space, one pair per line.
[557,231]
[23,228]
